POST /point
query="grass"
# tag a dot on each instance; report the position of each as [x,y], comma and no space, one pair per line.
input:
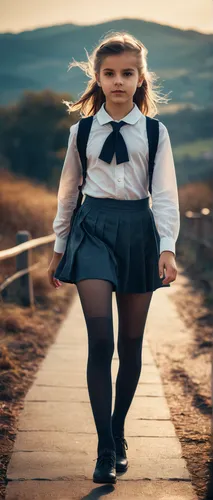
[25,332]
[195,149]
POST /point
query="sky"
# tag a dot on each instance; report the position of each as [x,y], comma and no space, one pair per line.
[21,15]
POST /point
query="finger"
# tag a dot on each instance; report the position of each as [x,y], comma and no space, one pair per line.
[167,276]
[161,271]
[57,283]
[169,279]
[166,281]
[53,281]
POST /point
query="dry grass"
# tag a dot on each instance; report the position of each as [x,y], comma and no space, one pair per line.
[23,206]
[185,368]
[188,368]
[25,332]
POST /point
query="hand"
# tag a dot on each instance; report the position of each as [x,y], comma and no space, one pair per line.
[167,260]
[52,268]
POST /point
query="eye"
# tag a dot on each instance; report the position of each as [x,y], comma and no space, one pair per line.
[125,73]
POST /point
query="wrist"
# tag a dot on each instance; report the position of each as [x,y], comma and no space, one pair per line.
[57,255]
[168,251]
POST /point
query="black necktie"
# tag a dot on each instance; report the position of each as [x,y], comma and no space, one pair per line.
[115,143]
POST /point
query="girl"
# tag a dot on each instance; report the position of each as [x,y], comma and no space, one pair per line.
[114,244]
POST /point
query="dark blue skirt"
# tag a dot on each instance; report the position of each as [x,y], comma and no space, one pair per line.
[114,240]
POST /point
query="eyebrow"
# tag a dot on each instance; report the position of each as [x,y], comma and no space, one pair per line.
[126,69]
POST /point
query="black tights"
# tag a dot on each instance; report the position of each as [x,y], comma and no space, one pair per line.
[96,300]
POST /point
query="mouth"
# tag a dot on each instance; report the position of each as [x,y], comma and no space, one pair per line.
[118,91]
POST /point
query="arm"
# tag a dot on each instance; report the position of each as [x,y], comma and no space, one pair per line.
[67,192]
[165,203]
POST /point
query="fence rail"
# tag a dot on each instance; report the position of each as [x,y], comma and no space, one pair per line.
[19,248]
[18,288]
[196,226]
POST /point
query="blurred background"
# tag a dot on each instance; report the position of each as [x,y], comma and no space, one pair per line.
[38,41]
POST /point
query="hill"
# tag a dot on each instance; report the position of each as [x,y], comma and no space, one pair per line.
[39,59]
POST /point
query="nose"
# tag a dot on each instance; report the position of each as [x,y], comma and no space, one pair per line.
[118,80]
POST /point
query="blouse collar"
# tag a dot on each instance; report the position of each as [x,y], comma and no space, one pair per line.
[132,117]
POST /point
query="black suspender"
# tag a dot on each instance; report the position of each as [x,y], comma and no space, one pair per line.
[152,127]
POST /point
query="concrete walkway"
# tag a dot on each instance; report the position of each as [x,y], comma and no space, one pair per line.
[55,450]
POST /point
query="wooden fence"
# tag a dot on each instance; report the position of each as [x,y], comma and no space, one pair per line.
[198,228]
[23,253]
[195,226]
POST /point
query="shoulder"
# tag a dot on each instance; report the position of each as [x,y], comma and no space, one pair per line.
[163,132]
[77,139]
[162,128]
[85,123]
[73,134]
[74,128]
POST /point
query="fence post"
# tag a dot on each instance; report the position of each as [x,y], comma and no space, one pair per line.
[198,236]
[23,261]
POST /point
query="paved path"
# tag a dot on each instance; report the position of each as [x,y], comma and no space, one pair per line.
[55,449]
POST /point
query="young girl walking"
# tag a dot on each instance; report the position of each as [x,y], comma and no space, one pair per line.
[116,241]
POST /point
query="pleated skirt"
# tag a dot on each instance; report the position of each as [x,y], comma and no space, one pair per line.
[113,240]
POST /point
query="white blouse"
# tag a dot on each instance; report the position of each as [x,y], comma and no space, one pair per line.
[127,181]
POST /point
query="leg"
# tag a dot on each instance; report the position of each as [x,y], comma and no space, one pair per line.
[132,314]
[96,300]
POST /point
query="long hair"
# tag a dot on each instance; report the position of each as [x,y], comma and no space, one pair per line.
[146,97]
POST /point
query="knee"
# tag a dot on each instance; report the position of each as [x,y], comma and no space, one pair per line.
[101,339]
[130,350]
[101,349]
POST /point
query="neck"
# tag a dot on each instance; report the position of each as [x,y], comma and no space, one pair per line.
[118,111]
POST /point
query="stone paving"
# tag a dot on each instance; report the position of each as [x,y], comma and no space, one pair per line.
[55,449]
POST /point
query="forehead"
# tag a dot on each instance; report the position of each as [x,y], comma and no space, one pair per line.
[120,61]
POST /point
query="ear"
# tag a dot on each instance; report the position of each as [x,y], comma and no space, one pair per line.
[140,82]
[97,78]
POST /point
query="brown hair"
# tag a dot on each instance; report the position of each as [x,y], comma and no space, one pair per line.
[93,97]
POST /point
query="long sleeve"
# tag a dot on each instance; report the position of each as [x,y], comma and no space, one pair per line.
[165,202]
[70,179]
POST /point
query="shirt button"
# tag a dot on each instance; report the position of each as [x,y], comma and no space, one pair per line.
[119,180]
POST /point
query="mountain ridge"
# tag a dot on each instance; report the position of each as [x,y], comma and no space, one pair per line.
[181,58]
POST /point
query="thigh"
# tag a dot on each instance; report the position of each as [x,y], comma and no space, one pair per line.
[132,313]
[96,297]
[96,300]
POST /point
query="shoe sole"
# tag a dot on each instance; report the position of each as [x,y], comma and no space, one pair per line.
[108,481]
[121,468]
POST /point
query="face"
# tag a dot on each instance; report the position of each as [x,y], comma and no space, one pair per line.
[119,72]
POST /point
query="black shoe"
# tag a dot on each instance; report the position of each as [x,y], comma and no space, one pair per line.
[105,470]
[121,458]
